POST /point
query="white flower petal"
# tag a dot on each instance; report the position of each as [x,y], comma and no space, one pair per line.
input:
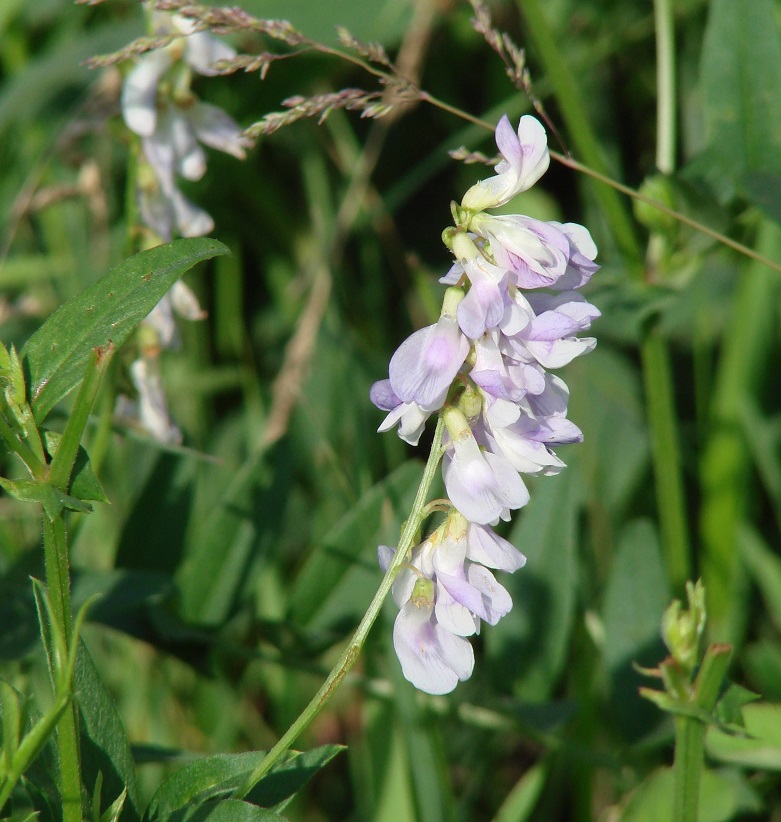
[432,659]
[185,303]
[152,407]
[203,51]
[139,92]
[216,129]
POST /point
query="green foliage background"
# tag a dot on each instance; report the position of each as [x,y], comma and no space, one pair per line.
[232,570]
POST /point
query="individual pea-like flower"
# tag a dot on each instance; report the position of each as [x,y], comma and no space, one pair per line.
[482,485]
[425,364]
[536,254]
[525,159]
[443,593]
[484,305]
[174,148]
[549,337]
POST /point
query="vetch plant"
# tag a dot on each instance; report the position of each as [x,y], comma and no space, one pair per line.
[484,367]
[246,581]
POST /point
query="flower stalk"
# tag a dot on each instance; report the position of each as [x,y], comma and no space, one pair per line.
[350,654]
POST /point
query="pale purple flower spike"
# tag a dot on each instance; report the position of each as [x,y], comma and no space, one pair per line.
[510,315]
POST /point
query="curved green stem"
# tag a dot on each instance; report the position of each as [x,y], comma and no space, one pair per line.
[350,654]
[36,467]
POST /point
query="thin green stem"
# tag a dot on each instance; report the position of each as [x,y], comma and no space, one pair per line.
[689,747]
[690,734]
[68,448]
[31,747]
[666,131]
[665,451]
[657,373]
[350,654]
[570,101]
[21,449]
[55,543]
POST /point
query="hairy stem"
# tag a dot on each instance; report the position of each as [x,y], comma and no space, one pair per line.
[55,543]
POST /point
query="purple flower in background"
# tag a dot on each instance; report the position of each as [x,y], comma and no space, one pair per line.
[172,149]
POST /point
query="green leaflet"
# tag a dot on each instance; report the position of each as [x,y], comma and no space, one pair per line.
[55,356]
[740,74]
[218,776]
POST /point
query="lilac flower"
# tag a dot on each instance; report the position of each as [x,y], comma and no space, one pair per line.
[525,443]
[549,337]
[501,377]
[525,160]
[485,546]
[487,357]
[443,593]
[173,125]
[582,254]
[484,304]
[482,485]
[535,253]
[425,364]
[173,149]
[468,592]
[432,658]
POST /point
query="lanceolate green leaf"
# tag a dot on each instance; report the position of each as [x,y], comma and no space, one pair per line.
[55,357]
[218,776]
[225,810]
[104,745]
[52,500]
[741,75]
